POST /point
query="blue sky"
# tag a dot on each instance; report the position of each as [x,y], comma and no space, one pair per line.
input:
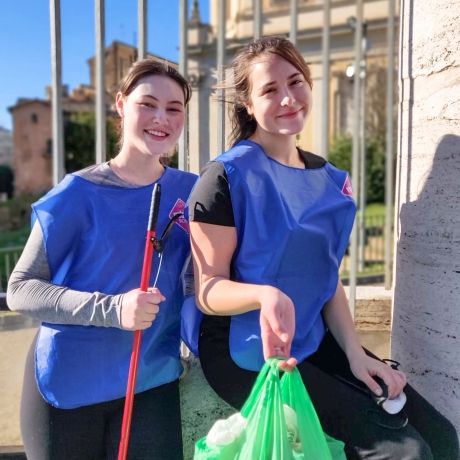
[25,41]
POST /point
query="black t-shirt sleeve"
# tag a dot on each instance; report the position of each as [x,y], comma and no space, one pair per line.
[210,201]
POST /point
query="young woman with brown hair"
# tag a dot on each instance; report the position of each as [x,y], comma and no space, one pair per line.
[269,226]
[79,275]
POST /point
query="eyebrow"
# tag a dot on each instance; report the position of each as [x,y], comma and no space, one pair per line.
[265,85]
[156,99]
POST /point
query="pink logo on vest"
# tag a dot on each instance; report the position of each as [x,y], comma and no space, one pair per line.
[178,208]
[347,189]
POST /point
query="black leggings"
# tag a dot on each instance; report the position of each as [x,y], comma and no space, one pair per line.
[346,412]
[93,432]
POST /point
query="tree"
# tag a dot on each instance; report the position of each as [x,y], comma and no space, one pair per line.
[340,155]
[6,180]
[79,140]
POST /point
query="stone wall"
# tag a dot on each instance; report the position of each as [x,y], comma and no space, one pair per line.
[425,336]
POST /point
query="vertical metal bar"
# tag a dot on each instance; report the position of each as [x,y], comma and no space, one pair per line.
[7,265]
[355,154]
[294,12]
[56,92]
[362,165]
[142,29]
[183,61]
[389,144]
[100,82]
[326,70]
[258,26]
[221,26]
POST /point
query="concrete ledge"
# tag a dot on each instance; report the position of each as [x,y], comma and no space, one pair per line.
[373,308]
[10,320]
[3,305]
[12,453]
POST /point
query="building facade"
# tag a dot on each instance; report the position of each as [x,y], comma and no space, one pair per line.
[276,20]
[6,147]
[32,129]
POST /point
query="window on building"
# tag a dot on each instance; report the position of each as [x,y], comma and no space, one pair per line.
[34,118]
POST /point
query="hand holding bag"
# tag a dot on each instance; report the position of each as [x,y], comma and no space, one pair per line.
[277,422]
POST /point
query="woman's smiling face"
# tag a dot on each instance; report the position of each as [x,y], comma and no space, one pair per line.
[280,98]
[153,115]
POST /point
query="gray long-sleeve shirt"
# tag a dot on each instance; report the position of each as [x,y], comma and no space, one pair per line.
[31,293]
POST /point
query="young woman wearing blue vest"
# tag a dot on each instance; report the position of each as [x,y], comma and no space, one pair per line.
[79,275]
[269,226]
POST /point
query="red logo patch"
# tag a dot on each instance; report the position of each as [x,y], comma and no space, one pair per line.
[179,207]
[347,189]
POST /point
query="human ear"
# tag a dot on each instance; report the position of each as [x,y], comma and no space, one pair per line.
[249,109]
[119,101]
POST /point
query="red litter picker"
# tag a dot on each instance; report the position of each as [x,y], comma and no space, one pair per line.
[145,279]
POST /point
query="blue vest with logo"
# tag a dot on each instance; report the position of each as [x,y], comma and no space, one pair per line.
[293,227]
[94,239]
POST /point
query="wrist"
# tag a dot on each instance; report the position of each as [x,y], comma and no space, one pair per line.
[354,353]
[264,293]
[117,302]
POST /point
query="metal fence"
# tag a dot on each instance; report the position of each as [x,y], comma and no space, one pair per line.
[371,252]
[358,48]
[371,259]
[8,259]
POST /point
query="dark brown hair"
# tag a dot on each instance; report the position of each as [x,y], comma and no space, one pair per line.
[146,68]
[243,124]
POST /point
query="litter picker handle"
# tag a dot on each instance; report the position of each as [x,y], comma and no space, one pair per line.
[151,234]
[145,278]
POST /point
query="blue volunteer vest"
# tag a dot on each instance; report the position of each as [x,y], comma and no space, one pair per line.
[94,238]
[293,227]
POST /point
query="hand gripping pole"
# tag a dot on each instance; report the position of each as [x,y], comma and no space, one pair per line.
[145,279]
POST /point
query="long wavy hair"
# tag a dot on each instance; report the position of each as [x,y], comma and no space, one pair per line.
[244,125]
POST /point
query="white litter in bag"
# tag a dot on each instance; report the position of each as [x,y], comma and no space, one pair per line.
[292,427]
[226,431]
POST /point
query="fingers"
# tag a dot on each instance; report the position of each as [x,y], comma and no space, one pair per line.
[394,380]
[288,365]
[139,309]
[150,312]
[274,325]
[273,348]
[154,296]
[277,325]
[372,384]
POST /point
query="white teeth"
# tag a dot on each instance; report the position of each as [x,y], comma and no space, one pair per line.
[157,133]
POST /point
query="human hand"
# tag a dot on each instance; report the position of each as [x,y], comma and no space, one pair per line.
[139,308]
[365,368]
[277,325]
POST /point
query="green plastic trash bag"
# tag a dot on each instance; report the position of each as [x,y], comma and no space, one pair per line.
[277,422]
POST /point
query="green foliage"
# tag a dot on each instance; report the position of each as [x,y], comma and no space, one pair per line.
[340,155]
[11,238]
[171,160]
[375,170]
[80,140]
[15,213]
[340,152]
[375,210]
[6,180]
